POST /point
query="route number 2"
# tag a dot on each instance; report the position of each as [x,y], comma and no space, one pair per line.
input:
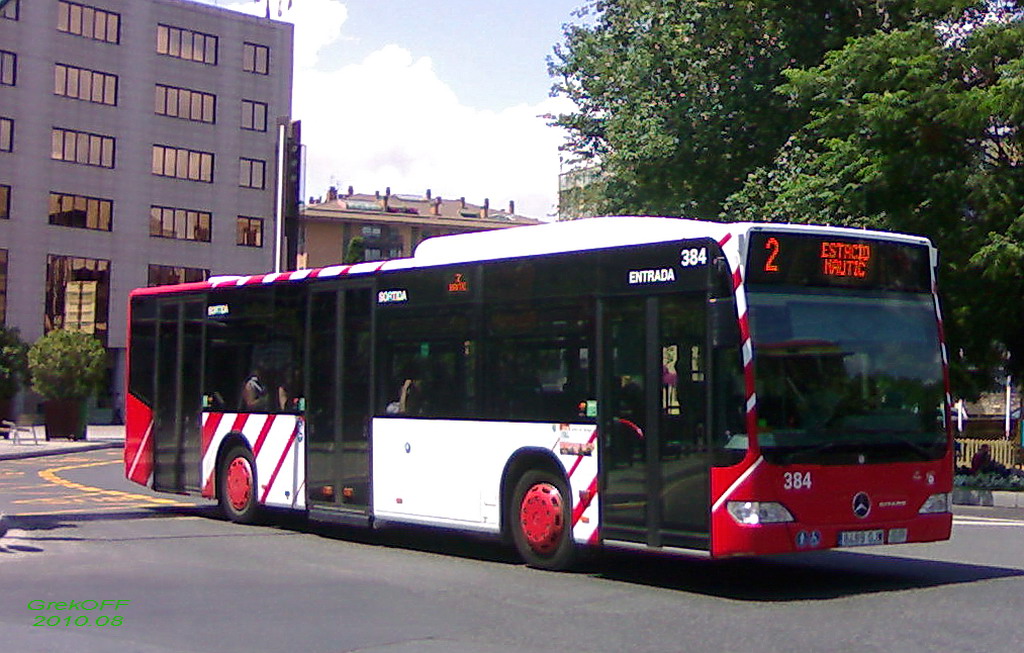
[796,481]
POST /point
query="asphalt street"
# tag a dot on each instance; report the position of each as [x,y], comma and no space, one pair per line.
[79,532]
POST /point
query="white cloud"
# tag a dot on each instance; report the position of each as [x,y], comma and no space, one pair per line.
[390,121]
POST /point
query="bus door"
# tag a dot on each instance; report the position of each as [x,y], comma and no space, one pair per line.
[177,396]
[653,413]
[338,403]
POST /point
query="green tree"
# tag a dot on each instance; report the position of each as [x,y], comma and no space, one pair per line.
[356,252]
[675,99]
[918,130]
[13,361]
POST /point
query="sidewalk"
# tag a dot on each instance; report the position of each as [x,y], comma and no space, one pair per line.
[96,437]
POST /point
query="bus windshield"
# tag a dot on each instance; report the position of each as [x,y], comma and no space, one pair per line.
[847,377]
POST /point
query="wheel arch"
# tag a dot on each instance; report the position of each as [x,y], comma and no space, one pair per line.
[518,464]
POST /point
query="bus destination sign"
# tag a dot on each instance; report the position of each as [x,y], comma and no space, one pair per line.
[810,260]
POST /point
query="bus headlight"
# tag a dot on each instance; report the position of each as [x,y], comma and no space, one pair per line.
[753,513]
[936,503]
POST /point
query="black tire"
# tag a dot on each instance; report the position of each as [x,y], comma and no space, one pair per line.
[540,517]
[236,485]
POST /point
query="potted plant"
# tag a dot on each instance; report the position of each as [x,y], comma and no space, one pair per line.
[13,368]
[67,368]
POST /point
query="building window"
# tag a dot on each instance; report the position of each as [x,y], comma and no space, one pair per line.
[77,294]
[254,115]
[185,104]
[8,68]
[186,44]
[256,58]
[81,212]
[163,275]
[3,286]
[82,147]
[250,231]
[252,173]
[84,84]
[6,135]
[90,22]
[5,202]
[182,224]
[10,12]
[181,163]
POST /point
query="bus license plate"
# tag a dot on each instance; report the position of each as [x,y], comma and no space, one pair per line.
[861,538]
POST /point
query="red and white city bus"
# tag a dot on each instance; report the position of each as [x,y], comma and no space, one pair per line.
[657,383]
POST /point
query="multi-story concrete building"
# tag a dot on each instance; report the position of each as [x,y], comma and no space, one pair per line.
[388,226]
[138,145]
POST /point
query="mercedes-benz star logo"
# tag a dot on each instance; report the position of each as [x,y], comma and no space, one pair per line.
[861,504]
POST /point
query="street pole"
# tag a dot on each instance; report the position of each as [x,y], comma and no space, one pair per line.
[279,197]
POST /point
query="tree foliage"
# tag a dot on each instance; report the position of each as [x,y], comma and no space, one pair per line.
[13,361]
[674,98]
[900,115]
[66,365]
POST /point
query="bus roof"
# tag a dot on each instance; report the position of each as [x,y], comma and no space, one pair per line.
[538,240]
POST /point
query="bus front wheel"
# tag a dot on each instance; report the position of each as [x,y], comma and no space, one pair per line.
[542,521]
[237,485]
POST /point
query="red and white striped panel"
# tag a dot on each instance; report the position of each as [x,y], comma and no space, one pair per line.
[576,448]
[731,250]
[278,447]
[138,442]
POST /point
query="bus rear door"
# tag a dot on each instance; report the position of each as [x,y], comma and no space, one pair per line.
[177,396]
[338,408]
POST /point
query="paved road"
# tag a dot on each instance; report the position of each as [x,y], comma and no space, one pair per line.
[195,582]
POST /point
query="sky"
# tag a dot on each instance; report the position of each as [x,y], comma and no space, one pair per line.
[446,95]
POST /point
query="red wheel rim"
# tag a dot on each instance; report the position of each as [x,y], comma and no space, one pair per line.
[239,483]
[540,516]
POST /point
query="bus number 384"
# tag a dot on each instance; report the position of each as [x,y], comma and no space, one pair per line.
[796,481]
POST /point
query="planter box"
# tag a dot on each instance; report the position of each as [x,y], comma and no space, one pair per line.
[64,418]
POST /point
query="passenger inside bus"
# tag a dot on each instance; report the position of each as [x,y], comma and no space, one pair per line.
[254,392]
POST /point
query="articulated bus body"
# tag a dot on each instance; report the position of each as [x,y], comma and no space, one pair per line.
[654,383]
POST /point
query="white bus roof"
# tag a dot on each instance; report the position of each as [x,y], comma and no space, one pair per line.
[600,233]
[555,238]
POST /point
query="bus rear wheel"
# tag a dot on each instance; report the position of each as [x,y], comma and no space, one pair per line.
[542,521]
[236,489]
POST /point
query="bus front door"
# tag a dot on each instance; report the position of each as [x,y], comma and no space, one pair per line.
[653,413]
[338,405]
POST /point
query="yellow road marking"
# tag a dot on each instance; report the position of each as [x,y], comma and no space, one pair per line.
[50,476]
[102,509]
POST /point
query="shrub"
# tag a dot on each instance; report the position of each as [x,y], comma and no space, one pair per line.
[66,365]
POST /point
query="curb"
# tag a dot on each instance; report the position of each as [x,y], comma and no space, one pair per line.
[996,498]
[20,455]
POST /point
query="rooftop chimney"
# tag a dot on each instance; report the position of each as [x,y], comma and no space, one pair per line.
[487,206]
[512,207]
[332,194]
[351,191]
[428,193]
